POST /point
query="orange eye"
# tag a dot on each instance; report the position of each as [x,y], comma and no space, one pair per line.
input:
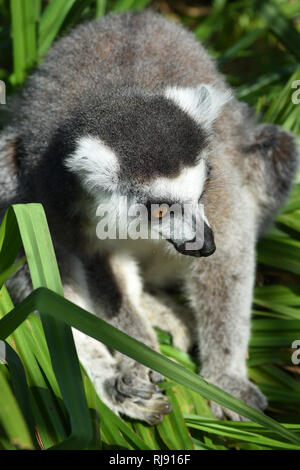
[159,212]
[206,184]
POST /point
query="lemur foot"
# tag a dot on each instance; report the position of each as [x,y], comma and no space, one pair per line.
[135,393]
[240,388]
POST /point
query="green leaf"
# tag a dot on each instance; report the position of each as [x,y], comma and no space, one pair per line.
[229,430]
[123,5]
[31,345]
[51,22]
[168,429]
[281,26]
[11,417]
[20,388]
[100,7]
[43,268]
[11,270]
[50,303]
[19,43]
[280,253]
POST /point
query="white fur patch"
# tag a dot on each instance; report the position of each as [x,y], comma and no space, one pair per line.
[125,266]
[187,187]
[203,103]
[95,163]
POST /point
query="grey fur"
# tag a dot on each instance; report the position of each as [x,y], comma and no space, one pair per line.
[107,78]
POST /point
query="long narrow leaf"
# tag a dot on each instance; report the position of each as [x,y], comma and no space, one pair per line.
[50,303]
[43,268]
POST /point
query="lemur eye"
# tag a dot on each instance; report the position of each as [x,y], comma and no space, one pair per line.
[159,212]
[206,184]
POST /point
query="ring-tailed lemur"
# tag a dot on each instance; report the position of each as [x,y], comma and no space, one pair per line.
[132,106]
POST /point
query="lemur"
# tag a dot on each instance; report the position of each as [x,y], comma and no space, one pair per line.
[132,106]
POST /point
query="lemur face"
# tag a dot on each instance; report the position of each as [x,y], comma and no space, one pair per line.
[152,150]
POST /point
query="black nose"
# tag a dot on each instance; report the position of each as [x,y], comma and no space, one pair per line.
[209,246]
[207,249]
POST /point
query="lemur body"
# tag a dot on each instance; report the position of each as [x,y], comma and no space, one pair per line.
[131,105]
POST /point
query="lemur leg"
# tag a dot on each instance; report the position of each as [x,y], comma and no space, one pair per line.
[166,314]
[220,289]
[128,387]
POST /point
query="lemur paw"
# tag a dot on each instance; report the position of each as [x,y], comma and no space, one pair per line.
[134,393]
[240,388]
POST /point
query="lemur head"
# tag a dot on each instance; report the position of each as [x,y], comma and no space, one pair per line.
[151,149]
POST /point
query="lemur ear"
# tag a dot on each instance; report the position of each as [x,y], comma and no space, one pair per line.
[276,147]
[95,164]
[204,102]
